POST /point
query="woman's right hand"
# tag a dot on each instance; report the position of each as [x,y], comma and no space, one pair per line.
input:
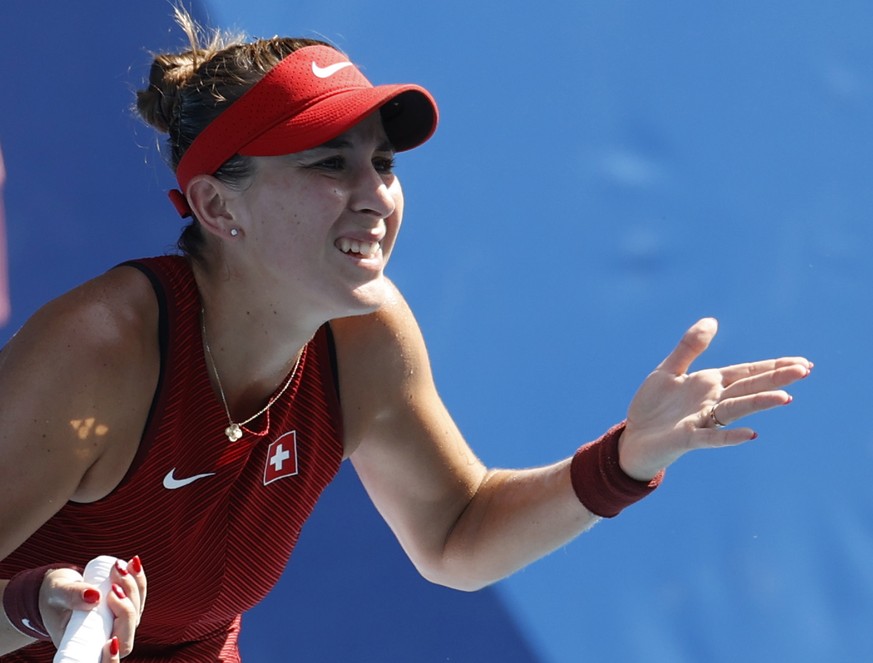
[64,590]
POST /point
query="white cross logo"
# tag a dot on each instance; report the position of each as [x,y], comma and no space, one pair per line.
[279,458]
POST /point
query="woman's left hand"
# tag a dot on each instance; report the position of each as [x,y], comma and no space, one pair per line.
[674,412]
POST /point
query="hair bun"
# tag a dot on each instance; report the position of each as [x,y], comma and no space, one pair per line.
[169,74]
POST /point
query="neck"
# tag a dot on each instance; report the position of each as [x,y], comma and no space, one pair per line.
[253,342]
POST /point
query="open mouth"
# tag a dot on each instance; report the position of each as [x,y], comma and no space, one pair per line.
[357,248]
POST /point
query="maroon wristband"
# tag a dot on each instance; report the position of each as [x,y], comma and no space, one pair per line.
[21,600]
[600,483]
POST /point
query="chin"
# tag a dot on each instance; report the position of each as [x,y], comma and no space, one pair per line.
[369,297]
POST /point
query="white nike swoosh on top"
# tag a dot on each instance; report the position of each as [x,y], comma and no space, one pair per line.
[171,482]
[330,70]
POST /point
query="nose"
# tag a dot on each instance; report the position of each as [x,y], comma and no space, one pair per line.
[371,194]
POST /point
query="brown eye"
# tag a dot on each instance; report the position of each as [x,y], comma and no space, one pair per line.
[332,163]
[384,165]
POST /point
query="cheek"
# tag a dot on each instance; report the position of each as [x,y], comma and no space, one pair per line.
[392,226]
[396,194]
[305,214]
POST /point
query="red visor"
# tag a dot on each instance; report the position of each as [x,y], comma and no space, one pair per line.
[310,97]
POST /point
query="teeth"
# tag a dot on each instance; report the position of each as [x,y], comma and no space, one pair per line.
[366,249]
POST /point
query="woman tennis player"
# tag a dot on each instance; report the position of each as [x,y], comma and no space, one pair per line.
[167,411]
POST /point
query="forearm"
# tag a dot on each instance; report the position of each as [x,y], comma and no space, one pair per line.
[515,518]
[10,638]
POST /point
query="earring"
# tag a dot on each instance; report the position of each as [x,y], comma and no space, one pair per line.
[234,232]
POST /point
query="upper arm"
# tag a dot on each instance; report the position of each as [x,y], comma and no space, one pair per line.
[70,409]
[410,455]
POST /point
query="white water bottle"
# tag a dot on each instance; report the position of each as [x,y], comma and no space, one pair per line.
[88,630]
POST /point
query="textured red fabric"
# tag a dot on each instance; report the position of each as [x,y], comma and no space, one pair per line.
[600,483]
[214,547]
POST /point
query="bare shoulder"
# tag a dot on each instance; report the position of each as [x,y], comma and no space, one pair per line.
[76,382]
[385,346]
[106,319]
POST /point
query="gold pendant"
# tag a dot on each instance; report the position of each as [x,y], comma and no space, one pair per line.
[233,432]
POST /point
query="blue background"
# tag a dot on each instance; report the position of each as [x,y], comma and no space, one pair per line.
[604,174]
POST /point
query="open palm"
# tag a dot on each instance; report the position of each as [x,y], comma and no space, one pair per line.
[675,411]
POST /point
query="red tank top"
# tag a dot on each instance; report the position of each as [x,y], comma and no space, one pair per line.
[212,547]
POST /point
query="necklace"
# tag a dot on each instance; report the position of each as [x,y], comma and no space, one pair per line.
[234,431]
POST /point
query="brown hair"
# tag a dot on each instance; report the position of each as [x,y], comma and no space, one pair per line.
[188,90]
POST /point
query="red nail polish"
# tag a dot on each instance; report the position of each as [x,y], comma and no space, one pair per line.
[121,569]
[113,646]
[754,437]
[116,589]
[135,564]
[91,596]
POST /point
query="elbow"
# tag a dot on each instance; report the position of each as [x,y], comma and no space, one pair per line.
[457,575]
[455,581]
[461,560]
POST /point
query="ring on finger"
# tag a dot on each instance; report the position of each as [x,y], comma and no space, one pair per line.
[714,419]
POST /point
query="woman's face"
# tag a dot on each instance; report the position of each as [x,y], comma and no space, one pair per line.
[319,225]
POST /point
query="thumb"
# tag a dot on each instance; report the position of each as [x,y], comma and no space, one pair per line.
[64,591]
[68,591]
[690,347]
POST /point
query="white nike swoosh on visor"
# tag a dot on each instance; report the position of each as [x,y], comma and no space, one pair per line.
[171,482]
[330,70]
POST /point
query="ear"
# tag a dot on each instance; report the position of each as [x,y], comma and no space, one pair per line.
[209,198]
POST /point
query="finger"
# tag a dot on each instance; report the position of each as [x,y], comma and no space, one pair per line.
[69,592]
[767,381]
[690,347]
[733,409]
[797,365]
[122,575]
[112,651]
[722,437]
[136,569]
[126,618]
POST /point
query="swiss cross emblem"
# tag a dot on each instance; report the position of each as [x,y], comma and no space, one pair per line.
[281,458]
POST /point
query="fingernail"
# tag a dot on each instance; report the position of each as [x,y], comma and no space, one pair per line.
[91,596]
[121,569]
[116,589]
[790,398]
[135,564]
[113,646]
[754,437]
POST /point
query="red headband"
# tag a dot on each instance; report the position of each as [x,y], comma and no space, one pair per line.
[310,97]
